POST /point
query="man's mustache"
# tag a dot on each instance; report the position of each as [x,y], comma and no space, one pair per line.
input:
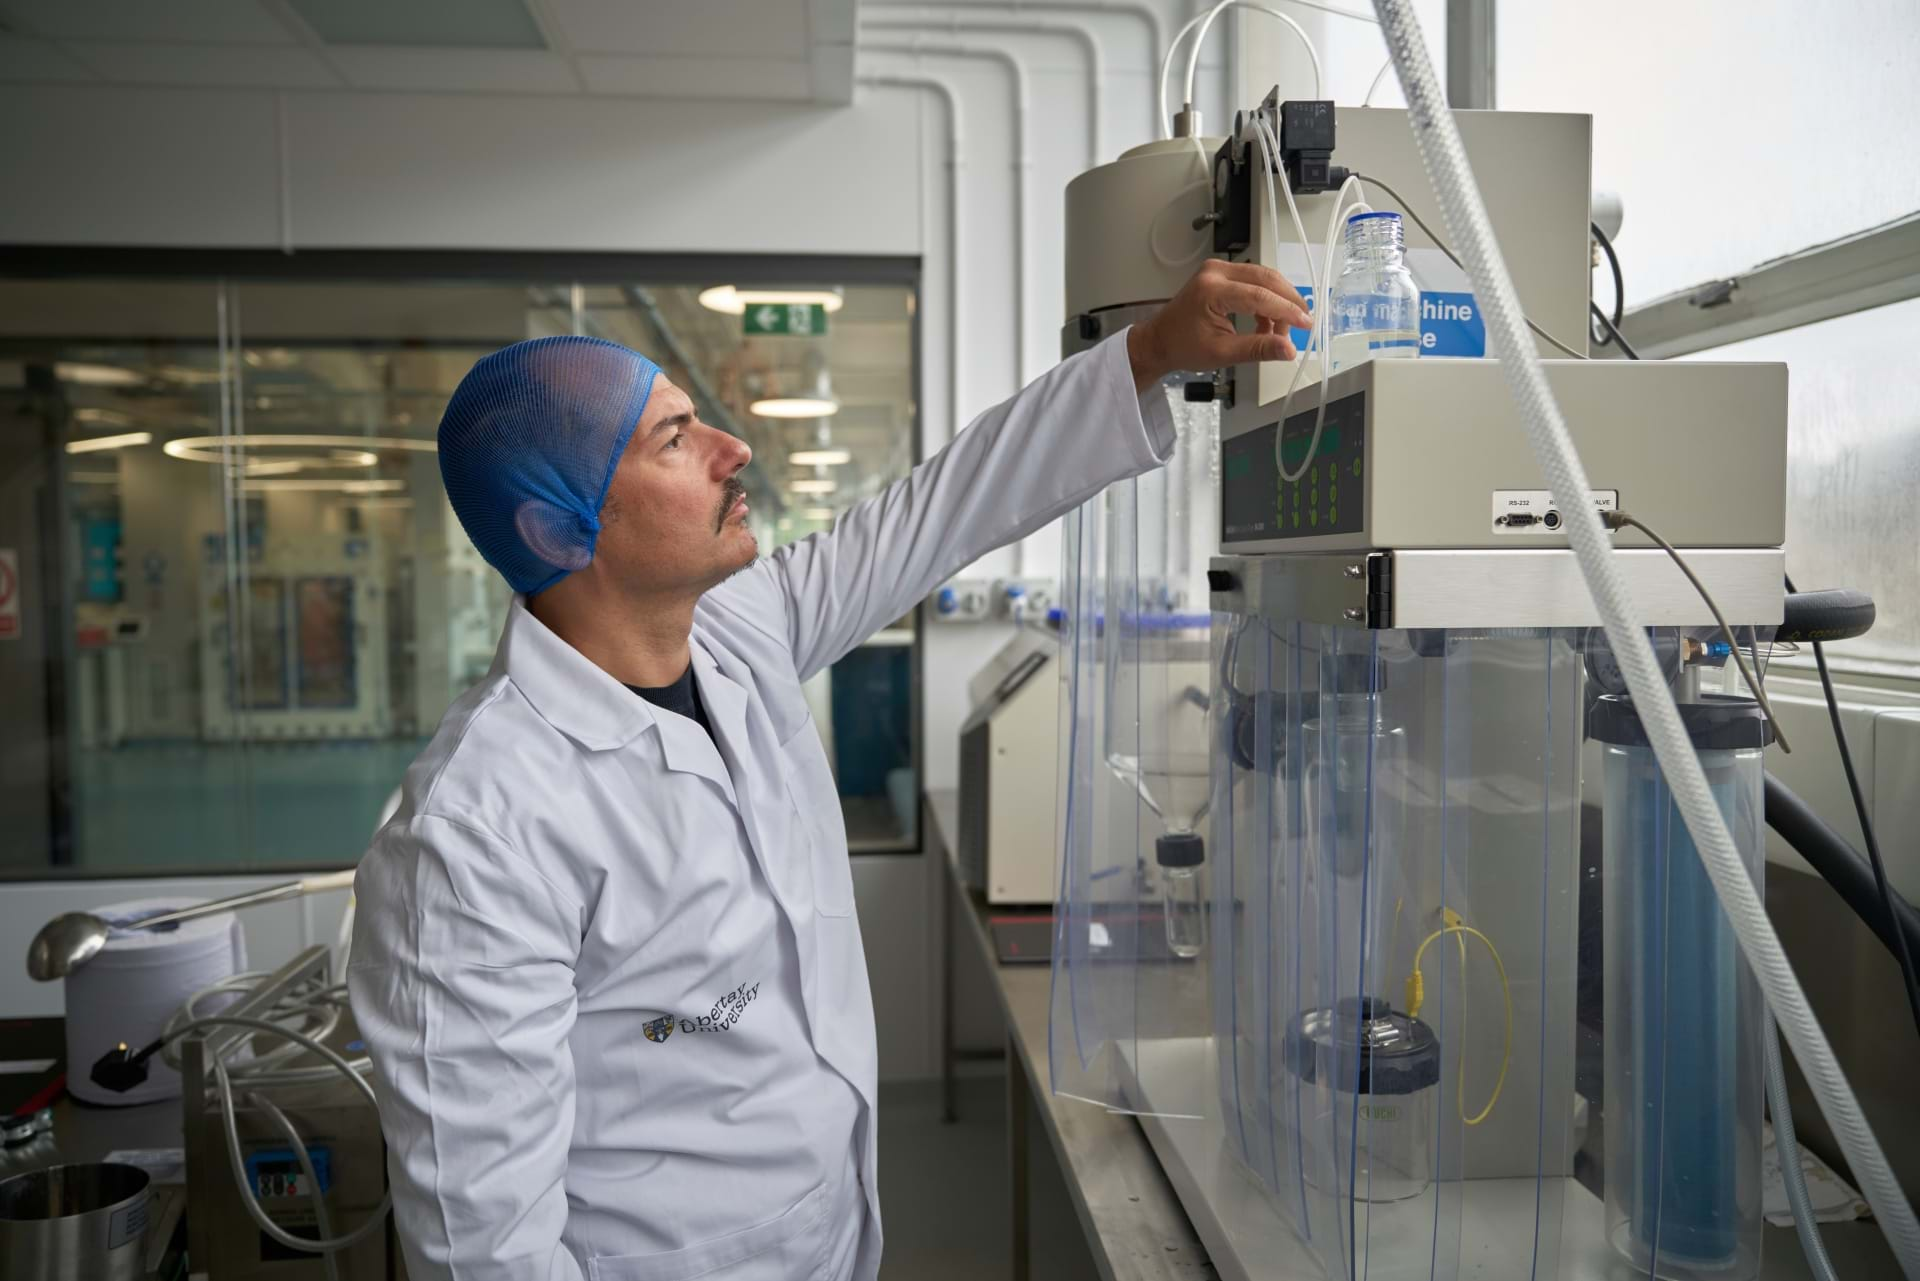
[731,492]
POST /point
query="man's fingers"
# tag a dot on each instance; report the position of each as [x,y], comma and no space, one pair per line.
[1247,348]
[1254,300]
[1248,273]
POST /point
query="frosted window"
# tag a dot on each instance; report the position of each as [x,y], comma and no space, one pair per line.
[1735,130]
[1853,466]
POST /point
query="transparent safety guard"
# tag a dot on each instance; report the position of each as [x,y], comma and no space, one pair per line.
[1128,961]
[1395,831]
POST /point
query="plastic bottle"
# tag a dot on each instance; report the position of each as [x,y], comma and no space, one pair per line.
[1180,855]
[1376,305]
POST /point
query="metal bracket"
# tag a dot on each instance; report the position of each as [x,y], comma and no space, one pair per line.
[1715,293]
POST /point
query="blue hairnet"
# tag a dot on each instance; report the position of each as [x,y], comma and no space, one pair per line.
[528,446]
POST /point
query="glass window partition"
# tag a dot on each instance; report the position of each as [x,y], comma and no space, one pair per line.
[245,602]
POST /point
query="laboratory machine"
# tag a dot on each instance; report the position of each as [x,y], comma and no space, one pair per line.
[1333,692]
[284,1159]
[1008,756]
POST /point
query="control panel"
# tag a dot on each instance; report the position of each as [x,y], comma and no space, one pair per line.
[1256,505]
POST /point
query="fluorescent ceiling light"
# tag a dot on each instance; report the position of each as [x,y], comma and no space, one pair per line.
[103,417]
[295,485]
[811,485]
[214,449]
[190,375]
[734,302]
[794,407]
[95,375]
[287,466]
[817,513]
[99,443]
[820,457]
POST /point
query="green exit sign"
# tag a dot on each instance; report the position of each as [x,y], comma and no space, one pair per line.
[800,319]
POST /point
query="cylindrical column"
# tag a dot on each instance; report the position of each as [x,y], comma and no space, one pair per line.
[1684,1017]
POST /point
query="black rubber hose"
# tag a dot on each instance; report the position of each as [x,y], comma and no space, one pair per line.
[1836,614]
[1841,866]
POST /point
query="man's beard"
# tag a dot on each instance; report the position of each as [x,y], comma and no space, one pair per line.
[731,492]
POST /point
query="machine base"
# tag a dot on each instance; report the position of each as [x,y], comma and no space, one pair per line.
[1247,1239]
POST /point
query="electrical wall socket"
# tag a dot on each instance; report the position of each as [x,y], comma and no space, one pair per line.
[1024,599]
[962,600]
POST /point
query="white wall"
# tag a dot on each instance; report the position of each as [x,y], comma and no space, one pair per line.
[310,170]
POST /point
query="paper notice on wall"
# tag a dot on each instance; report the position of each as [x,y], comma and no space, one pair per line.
[9,594]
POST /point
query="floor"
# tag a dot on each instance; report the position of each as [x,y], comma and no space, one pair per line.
[943,1190]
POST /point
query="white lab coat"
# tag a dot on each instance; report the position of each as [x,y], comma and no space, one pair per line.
[608,968]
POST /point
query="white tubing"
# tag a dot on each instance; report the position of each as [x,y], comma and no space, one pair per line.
[1786,1149]
[1022,163]
[1379,78]
[1089,40]
[1466,218]
[1204,22]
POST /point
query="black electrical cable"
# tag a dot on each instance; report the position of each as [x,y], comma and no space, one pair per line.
[1620,520]
[1613,331]
[1907,974]
[1619,287]
[1841,866]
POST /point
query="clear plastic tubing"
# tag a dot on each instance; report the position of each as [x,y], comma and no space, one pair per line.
[1179,855]
[1376,305]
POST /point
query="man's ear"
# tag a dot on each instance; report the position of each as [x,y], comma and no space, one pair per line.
[560,538]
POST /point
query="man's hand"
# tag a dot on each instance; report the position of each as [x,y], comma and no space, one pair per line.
[1195,329]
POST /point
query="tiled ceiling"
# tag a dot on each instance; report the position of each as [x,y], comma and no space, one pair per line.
[781,50]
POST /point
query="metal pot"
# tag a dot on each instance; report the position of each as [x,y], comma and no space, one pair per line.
[73,1223]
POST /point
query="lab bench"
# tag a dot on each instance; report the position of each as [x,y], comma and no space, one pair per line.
[1134,1226]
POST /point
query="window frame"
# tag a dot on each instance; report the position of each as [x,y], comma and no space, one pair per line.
[221,268]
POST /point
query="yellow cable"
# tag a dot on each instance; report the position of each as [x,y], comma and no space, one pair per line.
[1416,997]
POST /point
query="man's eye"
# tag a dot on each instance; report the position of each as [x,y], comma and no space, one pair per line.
[677,438]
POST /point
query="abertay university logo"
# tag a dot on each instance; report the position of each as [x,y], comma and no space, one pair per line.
[726,1012]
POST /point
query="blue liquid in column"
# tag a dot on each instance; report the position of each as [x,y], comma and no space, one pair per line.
[1686,1045]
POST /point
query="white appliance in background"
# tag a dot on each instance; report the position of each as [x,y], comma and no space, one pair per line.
[1009,765]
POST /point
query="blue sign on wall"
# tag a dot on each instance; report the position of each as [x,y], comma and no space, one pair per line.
[100,560]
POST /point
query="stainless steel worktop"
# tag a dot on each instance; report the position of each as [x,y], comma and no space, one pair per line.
[1133,1222]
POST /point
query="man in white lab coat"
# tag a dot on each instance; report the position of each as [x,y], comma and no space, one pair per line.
[606,961]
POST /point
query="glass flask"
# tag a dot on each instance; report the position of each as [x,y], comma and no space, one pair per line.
[1376,305]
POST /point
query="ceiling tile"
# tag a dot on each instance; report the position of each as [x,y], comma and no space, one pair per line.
[206,21]
[425,24]
[755,78]
[710,28]
[37,60]
[206,66]
[461,70]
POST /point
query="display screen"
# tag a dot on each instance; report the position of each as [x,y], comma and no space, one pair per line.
[1327,499]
